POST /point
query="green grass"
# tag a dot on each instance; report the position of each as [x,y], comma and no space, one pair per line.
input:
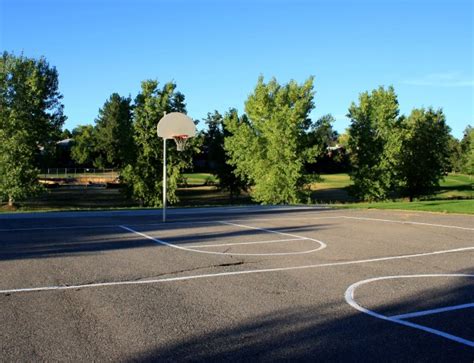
[456,186]
[455,196]
[330,181]
[199,179]
[442,206]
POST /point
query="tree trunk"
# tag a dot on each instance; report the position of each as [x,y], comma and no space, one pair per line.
[11,201]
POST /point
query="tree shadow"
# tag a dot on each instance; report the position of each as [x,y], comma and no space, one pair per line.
[60,243]
[324,333]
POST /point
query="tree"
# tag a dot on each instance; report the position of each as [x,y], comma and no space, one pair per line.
[65,134]
[455,155]
[114,131]
[218,160]
[267,146]
[467,151]
[85,150]
[31,116]
[214,140]
[374,141]
[321,137]
[322,133]
[143,177]
[424,156]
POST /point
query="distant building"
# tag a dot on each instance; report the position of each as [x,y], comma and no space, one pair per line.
[66,143]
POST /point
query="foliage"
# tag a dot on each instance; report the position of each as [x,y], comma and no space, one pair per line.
[110,142]
[267,146]
[143,177]
[322,134]
[343,139]
[323,140]
[31,116]
[374,141]
[424,156]
[65,134]
[455,155]
[218,160]
[84,150]
[467,151]
[114,131]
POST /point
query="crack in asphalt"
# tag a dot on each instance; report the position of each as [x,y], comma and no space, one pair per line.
[238,263]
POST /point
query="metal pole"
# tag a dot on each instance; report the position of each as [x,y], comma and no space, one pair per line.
[164,179]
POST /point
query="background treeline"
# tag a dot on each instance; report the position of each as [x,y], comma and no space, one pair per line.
[273,150]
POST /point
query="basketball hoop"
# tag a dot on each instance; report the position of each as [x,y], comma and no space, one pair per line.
[180,128]
[181,141]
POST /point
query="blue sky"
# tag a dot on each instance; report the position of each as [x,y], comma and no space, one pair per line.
[215,50]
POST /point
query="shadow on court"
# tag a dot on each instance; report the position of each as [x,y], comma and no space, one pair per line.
[60,243]
[316,334]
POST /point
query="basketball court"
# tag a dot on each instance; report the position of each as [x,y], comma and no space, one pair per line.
[244,283]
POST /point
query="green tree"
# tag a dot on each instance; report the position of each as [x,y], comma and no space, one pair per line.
[374,142]
[455,155]
[322,133]
[65,134]
[31,116]
[143,177]
[85,150]
[467,151]
[319,139]
[343,139]
[268,145]
[114,131]
[217,158]
[424,156]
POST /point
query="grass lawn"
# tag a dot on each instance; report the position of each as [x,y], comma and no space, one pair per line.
[443,206]
[199,179]
[456,195]
[331,181]
[456,186]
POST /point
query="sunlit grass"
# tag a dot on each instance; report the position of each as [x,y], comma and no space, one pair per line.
[443,206]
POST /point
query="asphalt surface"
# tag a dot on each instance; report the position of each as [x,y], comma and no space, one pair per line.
[238,284]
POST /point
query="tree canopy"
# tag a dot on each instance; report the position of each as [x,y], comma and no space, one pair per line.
[31,116]
[114,131]
[395,155]
[143,176]
[218,160]
[467,151]
[84,150]
[424,154]
[267,146]
[374,143]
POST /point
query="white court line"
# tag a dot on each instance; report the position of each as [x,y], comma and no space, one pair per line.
[432,311]
[259,229]
[231,273]
[248,243]
[349,296]
[321,244]
[407,222]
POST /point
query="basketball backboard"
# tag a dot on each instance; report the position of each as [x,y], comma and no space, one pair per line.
[176,124]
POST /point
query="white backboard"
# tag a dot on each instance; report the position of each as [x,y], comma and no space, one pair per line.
[175,123]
